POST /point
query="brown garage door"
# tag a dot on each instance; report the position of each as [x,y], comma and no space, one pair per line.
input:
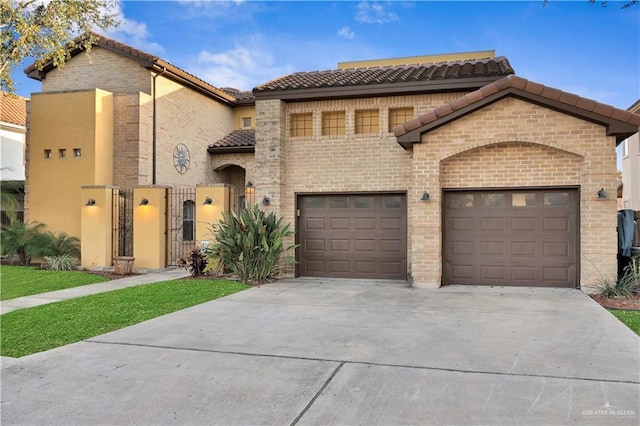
[353,236]
[517,237]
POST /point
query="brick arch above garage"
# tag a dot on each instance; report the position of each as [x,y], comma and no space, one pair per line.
[511,164]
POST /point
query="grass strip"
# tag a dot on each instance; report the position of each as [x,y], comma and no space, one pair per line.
[19,281]
[630,318]
[27,331]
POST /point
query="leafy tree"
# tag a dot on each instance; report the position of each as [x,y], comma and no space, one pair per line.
[46,30]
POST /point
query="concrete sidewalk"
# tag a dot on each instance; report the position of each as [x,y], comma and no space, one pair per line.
[86,290]
[344,352]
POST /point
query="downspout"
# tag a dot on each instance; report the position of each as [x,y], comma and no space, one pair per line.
[154,130]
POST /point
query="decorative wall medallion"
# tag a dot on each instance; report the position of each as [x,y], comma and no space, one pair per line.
[181,158]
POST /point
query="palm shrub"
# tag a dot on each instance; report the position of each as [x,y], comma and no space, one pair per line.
[25,240]
[249,244]
[62,244]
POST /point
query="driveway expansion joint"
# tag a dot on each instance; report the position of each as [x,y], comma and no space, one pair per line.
[322,388]
[376,364]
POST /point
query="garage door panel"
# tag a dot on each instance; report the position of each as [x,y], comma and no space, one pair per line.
[556,224]
[492,224]
[461,224]
[314,244]
[392,246]
[339,222]
[523,248]
[511,237]
[364,223]
[492,248]
[365,245]
[364,236]
[523,273]
[314,223]
[555,249]
[493,272]
[526,224]
[340,245]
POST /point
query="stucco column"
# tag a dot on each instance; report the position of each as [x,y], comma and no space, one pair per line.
[425,219]
[211,202]
[96,226]
[150,227]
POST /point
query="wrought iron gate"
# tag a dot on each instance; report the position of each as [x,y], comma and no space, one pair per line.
[181,220]
[122,233]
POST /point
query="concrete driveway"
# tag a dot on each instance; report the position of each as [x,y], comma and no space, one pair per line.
[321,352]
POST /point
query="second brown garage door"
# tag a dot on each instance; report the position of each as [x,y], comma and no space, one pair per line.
[353,236]
[521,237]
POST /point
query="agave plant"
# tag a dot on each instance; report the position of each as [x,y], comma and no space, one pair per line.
[249,244]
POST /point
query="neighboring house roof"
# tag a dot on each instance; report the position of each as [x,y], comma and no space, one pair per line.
[13,109]
[147,60]
[635,107]
[398,79]
[620,123]
[236,141]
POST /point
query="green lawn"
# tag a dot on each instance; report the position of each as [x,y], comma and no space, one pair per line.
[40,328]
[18,281]
[630,318]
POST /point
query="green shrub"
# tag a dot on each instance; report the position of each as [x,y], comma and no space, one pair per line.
[630,280]
[196,262]
[63,262]
[609,290]
[24,239]
[62,244]
[249,244]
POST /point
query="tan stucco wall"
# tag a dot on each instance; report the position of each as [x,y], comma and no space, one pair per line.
[508,144]
[75,120]
[106,70]
[240,112]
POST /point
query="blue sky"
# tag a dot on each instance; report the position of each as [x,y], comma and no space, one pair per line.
[574,46]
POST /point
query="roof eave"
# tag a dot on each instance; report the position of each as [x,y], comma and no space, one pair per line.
[372,90]
[231,150]
[620,129]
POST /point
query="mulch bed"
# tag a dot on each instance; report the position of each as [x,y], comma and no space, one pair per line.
[631,303]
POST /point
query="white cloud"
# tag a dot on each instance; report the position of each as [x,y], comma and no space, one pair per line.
[375,13]
[346,33]
[133,33]
[243,67]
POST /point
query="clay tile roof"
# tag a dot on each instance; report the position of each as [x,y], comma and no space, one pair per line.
[619,122]
[148,61]
[238,94]
[491,67]
[13,109]
[236,141]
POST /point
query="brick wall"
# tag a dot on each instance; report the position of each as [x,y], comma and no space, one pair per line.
[107,71]
[186,117]
[508,144]
[352,162]
[133,117]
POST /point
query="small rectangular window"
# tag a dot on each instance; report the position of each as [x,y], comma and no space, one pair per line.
[523,199]
[398,116]
[364,202]
[314,202]
[492,200]
[339,202]
[48,154]
[333,123]
[246,122]
[301,124]
[367,121]
[62,153]
[459,201]
[556,199]
[77,153]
